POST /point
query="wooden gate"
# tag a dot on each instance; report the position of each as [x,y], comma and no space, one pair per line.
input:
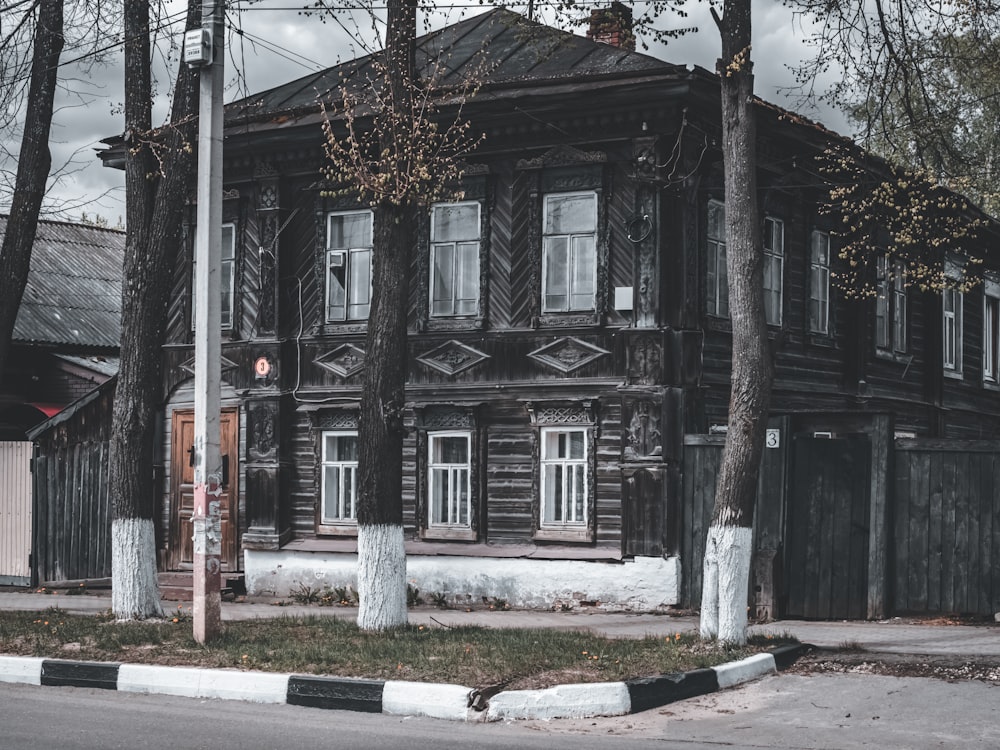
[827,537]
[15,513]
[946,526]
[181,553]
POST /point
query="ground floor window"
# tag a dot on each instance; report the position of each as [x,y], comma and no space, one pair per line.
[564,490]
[449,479]
[339,478]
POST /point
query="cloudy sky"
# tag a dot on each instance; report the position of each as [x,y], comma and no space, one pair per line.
[275,42]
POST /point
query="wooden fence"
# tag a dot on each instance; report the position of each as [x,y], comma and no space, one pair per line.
[946,527]
[73,515]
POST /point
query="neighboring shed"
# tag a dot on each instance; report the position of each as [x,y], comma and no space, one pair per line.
[66,335]
[71,506]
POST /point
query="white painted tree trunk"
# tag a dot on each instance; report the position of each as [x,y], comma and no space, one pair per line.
[381,577]
[725,584]
[135,593]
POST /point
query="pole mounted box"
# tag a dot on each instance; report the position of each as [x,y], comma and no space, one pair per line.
[197,47]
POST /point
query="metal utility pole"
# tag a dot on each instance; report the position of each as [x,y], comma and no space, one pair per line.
[207,520]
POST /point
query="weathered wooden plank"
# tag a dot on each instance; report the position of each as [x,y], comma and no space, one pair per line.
[935,521]
[901,532]
[948,492]
[922,554]
[960,559]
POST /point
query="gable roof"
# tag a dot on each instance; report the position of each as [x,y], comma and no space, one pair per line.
[73,294]
[501,48]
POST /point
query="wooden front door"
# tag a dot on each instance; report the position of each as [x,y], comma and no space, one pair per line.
[826,545]
[181,553]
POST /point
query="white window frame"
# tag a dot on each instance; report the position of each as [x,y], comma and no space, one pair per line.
[774,264]
[991,331]
[570,472]
[716,276]
[818,314]
[227,268]
[466,248]
[348,471]
[458,475]
[347,257]
[952,333]
[572,256]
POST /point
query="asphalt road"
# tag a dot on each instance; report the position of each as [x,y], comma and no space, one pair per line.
[794,712]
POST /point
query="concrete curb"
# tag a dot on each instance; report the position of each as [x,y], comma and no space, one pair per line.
[439,701]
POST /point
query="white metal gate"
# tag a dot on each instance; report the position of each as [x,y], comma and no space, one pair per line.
[15,513]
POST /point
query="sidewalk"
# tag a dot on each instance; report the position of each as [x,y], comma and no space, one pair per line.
[896,635]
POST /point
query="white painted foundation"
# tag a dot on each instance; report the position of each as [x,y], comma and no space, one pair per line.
[728,551]
[645,584]
[381,577]
[135,594]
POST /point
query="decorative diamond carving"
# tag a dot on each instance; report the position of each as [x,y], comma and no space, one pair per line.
[452,357]
[567,354]
[345,361]
[225,365]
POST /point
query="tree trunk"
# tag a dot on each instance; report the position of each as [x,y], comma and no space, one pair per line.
[381,556]
[33,163]
[729,545]
[157,203]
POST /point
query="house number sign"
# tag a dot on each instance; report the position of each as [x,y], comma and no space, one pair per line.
[773,439]
[262,367]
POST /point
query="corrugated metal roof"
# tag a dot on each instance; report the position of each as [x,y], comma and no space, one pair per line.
[499,48]
[73,294]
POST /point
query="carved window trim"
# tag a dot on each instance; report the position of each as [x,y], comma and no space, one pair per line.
[443,421]
[329,422]
[326,205]
[567,170]
[475,188]
[552,417]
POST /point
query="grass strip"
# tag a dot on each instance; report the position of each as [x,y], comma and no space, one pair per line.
[471,656]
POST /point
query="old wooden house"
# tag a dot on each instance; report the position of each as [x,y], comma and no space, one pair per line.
[569,355]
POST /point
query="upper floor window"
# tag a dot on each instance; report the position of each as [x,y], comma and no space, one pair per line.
[991,331]
[890,305]
[564,487]
[774,265]
[951,323]
[227,279]
[449,479]
[454,258]
[338,492]
[819,283]
[569,252]
[716,278]
[349,265]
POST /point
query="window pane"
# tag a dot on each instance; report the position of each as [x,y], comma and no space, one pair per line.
[454,221]
[584,273]
[443,271]
[228,242]
[467,278]
[570,213]
[226,292]
[717,220]
[451,449]
[556,270]
[350,230]
[336,287]
[360,285]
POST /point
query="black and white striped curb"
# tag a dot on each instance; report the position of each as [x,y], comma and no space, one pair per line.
[439,701]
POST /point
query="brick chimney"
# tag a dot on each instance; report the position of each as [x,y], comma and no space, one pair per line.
[612,25]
